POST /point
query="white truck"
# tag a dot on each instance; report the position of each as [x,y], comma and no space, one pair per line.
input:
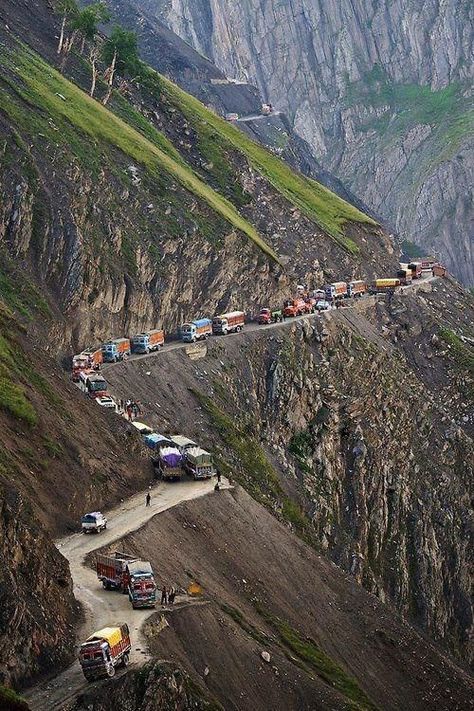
[93,522]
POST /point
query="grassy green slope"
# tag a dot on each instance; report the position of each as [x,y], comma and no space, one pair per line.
[328,210]
[44,88]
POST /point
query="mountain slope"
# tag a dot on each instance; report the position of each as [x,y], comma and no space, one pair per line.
[381,91]
[101,205]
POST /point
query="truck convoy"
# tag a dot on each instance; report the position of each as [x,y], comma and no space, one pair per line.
[105,650]
[116,350]
[141,586]
[147,342]
[197,330]
[232,322]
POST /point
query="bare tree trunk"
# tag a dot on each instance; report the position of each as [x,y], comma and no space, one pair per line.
[111,72]
[61,36]
[93,60]
[83,43]
[67,46]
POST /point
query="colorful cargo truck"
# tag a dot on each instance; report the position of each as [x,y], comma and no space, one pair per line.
[115,350]
[197,330]
[198,463]
[148,341]
[104,651]
[113,571]
[141,585]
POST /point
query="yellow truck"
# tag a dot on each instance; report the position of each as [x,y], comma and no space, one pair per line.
[105,650]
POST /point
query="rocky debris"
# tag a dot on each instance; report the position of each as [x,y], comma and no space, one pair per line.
[153,687]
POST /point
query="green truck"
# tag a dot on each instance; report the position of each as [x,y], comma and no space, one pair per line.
[198,463]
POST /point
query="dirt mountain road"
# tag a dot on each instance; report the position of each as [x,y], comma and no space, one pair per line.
[103,607]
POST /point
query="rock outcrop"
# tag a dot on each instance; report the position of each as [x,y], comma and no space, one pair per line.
[381,91]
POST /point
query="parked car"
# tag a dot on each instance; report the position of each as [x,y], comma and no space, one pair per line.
[93,522]
[106,401]
[322,305]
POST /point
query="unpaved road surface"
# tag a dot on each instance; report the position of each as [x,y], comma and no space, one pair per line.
[103,607]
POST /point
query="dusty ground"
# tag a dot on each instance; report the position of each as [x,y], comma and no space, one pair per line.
[103,607]
[243,557]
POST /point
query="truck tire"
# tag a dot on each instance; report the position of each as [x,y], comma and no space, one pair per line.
[111,672]
[238,329]
[125,659]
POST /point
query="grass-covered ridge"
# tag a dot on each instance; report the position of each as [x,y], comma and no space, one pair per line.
[318,203]
[43,88]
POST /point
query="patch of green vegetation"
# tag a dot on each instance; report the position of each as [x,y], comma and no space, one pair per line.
[318,203]
[10,701]
[461,353]
[43,87]
[315,659]
[250,629]
[260,477]
[17,291]
[13,400]
[54,449]
[447,111]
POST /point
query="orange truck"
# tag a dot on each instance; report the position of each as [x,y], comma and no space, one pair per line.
[294,307]
[105,650]
[232,322]
[357,287]
[115,350]
[336,290]
[148,341]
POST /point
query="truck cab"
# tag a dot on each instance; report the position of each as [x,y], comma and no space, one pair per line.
[141,586]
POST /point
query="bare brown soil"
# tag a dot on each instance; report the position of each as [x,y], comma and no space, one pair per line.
[247,561]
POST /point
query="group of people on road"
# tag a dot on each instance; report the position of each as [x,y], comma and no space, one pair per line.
[130,409]
[168,595]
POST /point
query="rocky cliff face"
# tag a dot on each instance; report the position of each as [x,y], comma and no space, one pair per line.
[123,238]
[356,430]
[381,91]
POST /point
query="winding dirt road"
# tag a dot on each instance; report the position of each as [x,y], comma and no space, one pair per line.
[103,607]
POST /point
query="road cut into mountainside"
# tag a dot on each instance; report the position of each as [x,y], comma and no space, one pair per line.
[102,607]
[423,284]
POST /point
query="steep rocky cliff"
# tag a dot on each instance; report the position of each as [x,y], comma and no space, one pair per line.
[131,223]
[358,431]
[380,90]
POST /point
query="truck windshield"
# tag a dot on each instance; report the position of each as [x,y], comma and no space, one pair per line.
[97,385]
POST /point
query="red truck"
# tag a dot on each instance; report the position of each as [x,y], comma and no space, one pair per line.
[87,360]
[141,585]
[269,316]
[105,650]
[294,307]
[113,571]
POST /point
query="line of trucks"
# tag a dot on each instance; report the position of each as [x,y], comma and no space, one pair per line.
[305,302]
[110,647]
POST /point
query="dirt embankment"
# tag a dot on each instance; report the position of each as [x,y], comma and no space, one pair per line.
[331,644]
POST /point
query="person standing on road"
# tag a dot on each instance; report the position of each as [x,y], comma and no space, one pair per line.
[164,596]
[129,412]
[148,499]
[219,476]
